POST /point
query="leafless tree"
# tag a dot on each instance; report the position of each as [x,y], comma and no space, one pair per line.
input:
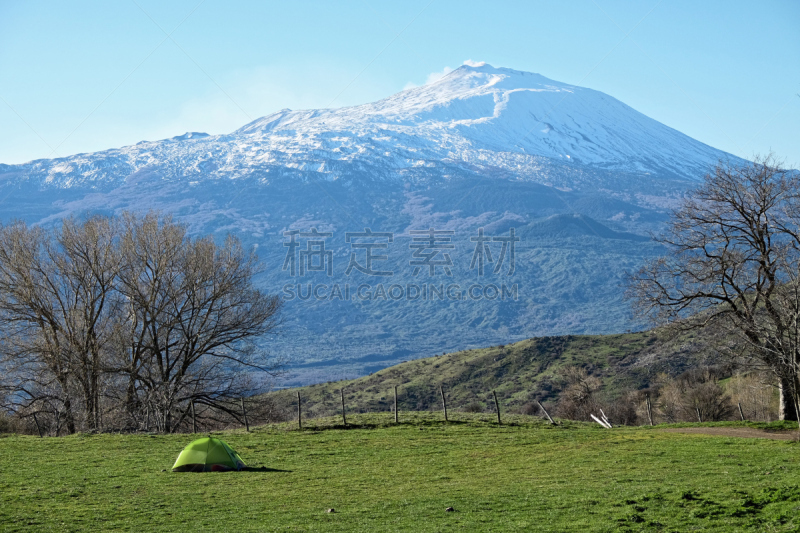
[734,254]
[193,312]
[695,395]
[56,309]
[754,393]
[87,260]
[578,399]
[131,317]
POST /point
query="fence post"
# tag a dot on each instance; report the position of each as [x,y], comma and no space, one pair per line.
[194,419]
[444,403]
[344,416]
[497,406]
[299,412]
[741,413]
[395,405]
[545,412]
[244,413]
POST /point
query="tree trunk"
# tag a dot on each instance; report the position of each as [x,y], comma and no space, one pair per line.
[796,398]
[69,419]
[96,389]
[787,402]
[131,404]
[88,402]
[69,416]
[98,425]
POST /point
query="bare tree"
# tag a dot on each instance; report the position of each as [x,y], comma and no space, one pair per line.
[87,261]
[56,309]
[695,395]
[734,254]
[578,399]
[127,317]
[193,314]
[754,394]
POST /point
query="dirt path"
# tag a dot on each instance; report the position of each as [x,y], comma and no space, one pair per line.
[750,433]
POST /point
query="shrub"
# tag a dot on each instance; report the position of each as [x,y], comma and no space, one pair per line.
[695,394]
[578,398]
[474,407]
[622,411]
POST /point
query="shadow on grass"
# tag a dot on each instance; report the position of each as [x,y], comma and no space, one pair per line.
[263,469]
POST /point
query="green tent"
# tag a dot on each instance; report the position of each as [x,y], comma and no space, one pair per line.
[208,455]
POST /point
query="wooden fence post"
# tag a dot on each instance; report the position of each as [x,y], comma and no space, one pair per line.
[545,412]
[395,405]
[497,406]
[299,412]
[444,402]
[244,413]
[741,413]
[344,416]
[194,419]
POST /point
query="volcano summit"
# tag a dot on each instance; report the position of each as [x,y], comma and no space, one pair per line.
[509,203]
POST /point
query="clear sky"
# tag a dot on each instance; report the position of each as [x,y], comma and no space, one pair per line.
[83,76]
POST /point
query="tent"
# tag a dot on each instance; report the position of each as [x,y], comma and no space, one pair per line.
[208,455]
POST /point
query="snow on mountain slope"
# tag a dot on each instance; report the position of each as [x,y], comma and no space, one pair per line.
[581,177]
[476,115]
[505,110]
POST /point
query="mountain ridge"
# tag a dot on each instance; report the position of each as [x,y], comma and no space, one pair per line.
[580,177]
[461,116]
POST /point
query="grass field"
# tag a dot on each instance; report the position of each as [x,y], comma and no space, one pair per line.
[523,476]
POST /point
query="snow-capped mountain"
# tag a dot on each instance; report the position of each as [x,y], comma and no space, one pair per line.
[478,115]
[578,175]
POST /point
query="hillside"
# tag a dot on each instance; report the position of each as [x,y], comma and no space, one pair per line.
[519,373]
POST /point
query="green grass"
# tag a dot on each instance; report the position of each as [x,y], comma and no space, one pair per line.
[523,476]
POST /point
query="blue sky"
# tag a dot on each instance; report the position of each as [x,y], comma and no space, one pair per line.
[85,76]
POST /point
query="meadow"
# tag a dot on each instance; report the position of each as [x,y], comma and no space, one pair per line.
[525,475]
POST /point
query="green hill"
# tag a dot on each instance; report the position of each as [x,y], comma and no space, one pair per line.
[520,373]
